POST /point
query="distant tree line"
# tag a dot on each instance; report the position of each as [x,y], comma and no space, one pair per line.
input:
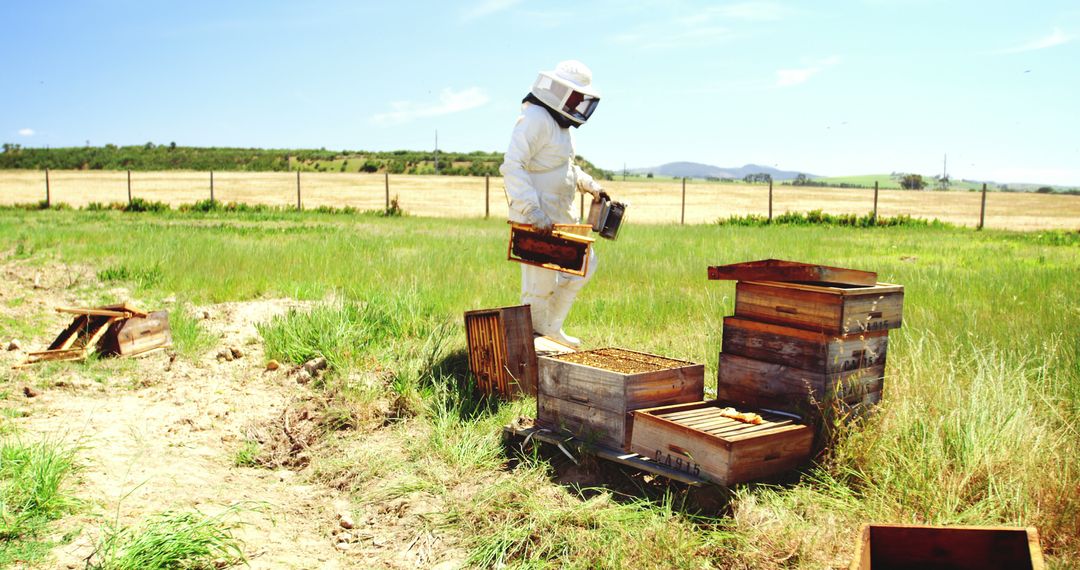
[804,180]
[152,156]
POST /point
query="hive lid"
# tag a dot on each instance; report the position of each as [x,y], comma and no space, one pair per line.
[786,271]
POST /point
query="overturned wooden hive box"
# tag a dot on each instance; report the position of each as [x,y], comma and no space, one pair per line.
[918,547]
[111,330]
[501,352]
[565,249]
[706,440]
[591,394]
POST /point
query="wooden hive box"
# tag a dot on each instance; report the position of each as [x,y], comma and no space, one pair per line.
[758,384]
[827,353]
[825,307]
[697,439]
[592,393]
[897,547]
[501,351]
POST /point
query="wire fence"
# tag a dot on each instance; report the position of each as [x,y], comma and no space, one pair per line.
[651,200]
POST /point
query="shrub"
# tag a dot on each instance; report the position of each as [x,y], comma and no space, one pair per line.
[143,205]
[820,218]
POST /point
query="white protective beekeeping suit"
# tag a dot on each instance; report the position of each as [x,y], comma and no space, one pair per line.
[542,181]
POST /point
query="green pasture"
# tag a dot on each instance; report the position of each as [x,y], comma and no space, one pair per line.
[978,423]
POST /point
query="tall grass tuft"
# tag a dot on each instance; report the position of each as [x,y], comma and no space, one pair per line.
[348,333]
[171,540]
[32,493]
[522,523]
[190,338]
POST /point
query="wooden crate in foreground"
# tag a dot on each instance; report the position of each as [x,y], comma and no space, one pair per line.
[698,439]
[902,547]
[591,393]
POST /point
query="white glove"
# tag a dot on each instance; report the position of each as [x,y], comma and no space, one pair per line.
[539,220]
[594,189]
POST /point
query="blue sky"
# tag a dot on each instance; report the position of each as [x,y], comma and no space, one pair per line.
[830,88]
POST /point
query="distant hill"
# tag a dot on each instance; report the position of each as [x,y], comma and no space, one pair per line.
[698,170]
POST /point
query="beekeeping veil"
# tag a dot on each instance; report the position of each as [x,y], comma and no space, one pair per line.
[568,91]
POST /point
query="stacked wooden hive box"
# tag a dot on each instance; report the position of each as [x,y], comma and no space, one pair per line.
[806,339]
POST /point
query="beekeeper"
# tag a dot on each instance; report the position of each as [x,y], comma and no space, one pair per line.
[542,179]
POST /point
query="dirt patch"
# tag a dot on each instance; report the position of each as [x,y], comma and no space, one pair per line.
[160,433]
[164,433]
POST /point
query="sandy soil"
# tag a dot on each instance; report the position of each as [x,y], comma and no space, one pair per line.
[651,201]
[160,433]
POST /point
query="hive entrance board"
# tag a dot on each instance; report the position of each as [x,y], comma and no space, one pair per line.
[577,446]
[559,250]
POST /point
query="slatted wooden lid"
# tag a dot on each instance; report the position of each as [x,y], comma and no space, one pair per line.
[781,270]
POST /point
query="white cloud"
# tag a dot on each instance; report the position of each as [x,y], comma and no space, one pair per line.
[789,77]
[450,101]
[26,132]
[1056,38]
[752,11]
[486,8]
[704,28]
[701,36]
[1061,176]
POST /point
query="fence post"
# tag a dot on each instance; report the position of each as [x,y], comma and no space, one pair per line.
[129,187]
[487,196]
[211,187]
[386,180]
[875,201]
[299,205]
[48,192]
[770,199]
[982,210]
[682,217]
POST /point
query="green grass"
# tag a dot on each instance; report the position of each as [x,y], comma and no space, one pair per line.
[978,423]
[33,492]
[169,540]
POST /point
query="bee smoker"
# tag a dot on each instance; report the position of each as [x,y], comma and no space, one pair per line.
[605,216]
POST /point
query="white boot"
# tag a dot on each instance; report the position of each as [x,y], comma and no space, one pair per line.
[557,310]
[538,308]
[537,289]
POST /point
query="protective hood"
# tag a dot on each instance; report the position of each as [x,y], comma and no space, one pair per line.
[568,91]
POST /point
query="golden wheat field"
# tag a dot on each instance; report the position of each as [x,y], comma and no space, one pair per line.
[658,201]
